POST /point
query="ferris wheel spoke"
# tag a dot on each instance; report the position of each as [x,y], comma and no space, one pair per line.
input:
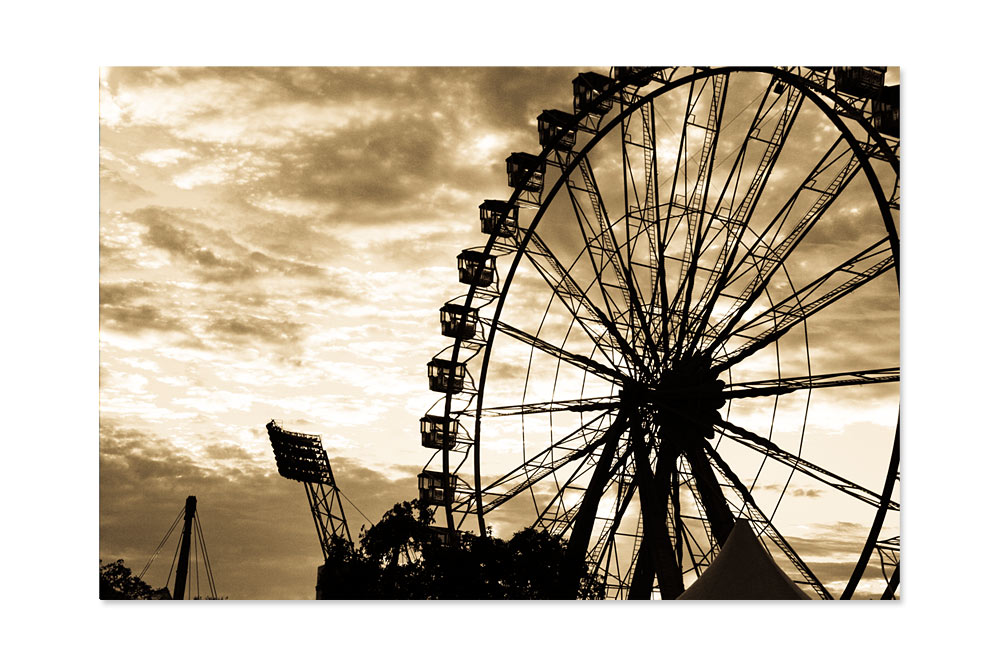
[599,245]
[733,224]
[837,283]
[598,404]
[572,447]
[680,164]
[604,250]
[559,516]
[642,207]
[601,370]
[780,386]
[765,257]
[695,206]
[591,319]
[764,446]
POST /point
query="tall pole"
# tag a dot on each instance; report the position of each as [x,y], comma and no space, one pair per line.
[182,562]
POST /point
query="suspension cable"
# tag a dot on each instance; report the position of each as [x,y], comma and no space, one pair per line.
[174,561]
[156,552]
[344,495]
[209,576]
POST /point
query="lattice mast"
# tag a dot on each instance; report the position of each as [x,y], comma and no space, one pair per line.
[301,457]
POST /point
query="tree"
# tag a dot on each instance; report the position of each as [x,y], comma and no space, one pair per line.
[118,583]
[403,556]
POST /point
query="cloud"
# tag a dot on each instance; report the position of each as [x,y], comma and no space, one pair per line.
[162,157]
[797,492]
[257,328]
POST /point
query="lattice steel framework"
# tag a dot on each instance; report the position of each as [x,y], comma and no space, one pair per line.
[690,281]
[301,457]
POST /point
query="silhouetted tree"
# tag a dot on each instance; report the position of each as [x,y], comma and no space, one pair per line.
[404,557]
[118,583]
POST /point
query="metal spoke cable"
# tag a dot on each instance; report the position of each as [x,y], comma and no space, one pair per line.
[805,419]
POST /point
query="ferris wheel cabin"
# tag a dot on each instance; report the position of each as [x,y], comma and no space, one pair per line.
[859,81]
[438,432]
[476,268]
[587,88]
[459,322]
[446,376]
[885,111]
[557,126]
[527,168]
[621,73]
[432,486]
[494,217]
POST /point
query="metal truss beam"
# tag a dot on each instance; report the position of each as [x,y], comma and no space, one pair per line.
[584,363]
[845,279]
[782,386]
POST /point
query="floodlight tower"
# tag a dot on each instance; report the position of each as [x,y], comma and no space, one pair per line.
[301,457]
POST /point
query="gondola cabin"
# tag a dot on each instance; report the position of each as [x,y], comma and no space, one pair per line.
[435,488]
[476,268]
[557,129]
[526,170]
[446,376]
[885,111]
[459,322]
[859,81]
[494,216]
[438,432]
[633,75]
[587,90]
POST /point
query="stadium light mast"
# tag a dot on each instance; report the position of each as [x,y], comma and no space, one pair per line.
[301,457]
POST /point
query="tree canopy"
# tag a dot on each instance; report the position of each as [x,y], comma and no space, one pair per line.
[403,556]
[118,583]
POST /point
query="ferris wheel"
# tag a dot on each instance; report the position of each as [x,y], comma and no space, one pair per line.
[686,314]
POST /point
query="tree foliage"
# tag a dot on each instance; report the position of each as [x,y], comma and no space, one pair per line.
[403,556]
[118,583]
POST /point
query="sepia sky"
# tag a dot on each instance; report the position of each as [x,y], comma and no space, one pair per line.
[276,244]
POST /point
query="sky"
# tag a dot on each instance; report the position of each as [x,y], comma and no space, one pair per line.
[276,243]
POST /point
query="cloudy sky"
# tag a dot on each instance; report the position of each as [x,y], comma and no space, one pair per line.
[275,243]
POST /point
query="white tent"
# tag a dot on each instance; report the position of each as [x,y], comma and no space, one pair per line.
[743,570]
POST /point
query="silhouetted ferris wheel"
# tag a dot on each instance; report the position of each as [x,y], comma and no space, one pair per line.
[685,314]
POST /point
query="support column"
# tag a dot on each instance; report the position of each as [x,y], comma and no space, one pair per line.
[182,561]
